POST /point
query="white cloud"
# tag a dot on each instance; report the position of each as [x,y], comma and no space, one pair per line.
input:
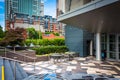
[1,0]
[43,1]
[51,13]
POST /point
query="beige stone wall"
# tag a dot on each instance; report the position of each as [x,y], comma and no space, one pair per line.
[25,25]
[60,7]
[74,4]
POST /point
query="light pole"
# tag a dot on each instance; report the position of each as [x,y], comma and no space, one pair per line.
[39,24]
[14,21]
[39,28]
[28,26]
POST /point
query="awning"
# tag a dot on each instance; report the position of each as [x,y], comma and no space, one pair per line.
[100,16]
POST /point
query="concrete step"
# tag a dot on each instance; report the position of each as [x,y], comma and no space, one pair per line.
[24,74]
[18,73]
[8,71]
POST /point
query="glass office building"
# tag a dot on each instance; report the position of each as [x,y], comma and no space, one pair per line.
[24,7]
[30,7]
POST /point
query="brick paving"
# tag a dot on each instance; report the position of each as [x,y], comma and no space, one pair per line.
[86,65]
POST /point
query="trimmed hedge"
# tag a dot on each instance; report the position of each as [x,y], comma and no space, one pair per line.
[50,49]
[46,42]
[1,39]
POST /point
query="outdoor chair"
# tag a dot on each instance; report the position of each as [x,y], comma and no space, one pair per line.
[78,79]
[88,77]
[66,57]
[101,78]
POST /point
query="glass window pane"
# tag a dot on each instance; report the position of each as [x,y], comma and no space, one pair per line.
[112,47]
[104,38]
[112,55]
[119,39]
[111,38]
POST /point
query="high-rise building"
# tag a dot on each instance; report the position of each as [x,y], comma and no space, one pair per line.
[92,27]
[60,10]
[24,7]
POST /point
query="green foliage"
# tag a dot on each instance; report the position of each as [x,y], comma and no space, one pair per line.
[56,34]
[2,33]
[48,32]
[33,34]
[50,49]
[45,42]
[1,39]
[59,42]
[13,37]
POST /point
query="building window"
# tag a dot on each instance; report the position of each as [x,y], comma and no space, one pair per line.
[103,42]
[112,46]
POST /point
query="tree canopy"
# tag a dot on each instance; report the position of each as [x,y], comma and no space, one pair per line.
[14,37]
[33,34]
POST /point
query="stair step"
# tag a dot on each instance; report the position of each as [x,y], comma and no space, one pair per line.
[24,74]
[18,74]
[8,71]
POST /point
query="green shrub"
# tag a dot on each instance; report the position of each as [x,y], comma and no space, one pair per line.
[50,49]
[56,34]
[46,42]
[58,42]
[48,32]
[1,39]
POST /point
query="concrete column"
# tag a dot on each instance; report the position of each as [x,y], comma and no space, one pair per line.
[98,47]
[91,47]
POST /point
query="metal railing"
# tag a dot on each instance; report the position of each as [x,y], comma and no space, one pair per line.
[3,73]
[4,51]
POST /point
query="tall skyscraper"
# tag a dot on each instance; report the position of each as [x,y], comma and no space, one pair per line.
[24,7]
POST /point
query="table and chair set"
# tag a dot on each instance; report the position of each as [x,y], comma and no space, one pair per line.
[58,57]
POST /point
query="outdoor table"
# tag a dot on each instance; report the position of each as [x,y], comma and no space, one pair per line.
[70,54]
[56,56]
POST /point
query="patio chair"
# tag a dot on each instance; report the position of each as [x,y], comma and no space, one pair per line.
[101,78]
[66,57]
[88,77]
[78,79]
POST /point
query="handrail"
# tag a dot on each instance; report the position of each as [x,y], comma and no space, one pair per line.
[22,55]
[34,58]
[14,60]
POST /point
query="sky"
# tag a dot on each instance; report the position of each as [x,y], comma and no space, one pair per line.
[49,9]
[2,19]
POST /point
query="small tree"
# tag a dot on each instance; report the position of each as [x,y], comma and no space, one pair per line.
[14,37]
[2,34]
[33,34]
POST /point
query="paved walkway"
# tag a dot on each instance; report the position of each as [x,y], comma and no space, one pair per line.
[86,65]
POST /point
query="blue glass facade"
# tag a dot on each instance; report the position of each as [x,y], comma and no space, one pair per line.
[77,40]
[49,20]
[30,7]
